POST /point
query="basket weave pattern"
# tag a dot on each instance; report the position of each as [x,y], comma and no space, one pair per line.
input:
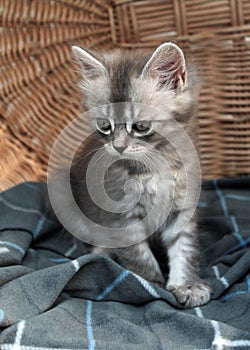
[39,97]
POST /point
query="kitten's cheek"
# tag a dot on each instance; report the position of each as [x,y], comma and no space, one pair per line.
[109,148]
[135,150]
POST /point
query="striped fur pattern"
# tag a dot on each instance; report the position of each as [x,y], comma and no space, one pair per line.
[160,80]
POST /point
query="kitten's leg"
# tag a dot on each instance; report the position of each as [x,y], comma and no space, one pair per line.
[138,258]
[184,281]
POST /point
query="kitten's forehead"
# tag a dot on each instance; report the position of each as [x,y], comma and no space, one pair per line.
[127,112]
[124,82]
[123,67]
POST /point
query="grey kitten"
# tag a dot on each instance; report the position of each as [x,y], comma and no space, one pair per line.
[161,81]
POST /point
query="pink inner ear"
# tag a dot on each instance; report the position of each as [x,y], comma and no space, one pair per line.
[172,74]
[169,69]
[90,71]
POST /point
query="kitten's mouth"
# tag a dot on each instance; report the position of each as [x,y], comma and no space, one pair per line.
[124,152]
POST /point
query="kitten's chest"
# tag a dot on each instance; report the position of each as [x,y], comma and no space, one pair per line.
[156,195]
[141,193]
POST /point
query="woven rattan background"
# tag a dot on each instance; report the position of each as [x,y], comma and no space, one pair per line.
[38,95]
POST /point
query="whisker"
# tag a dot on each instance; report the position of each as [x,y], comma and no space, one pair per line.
[84,155]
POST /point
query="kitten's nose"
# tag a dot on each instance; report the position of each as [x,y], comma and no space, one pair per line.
[120,149]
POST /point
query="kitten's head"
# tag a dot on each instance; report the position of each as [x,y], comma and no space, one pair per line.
[118,85]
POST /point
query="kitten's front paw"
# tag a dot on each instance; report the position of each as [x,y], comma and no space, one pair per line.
[191,295]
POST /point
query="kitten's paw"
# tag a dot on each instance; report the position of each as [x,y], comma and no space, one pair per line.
[191,295]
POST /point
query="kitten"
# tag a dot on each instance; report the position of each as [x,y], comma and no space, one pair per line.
[163,82]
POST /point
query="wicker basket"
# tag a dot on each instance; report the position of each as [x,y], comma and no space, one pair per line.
[39,97]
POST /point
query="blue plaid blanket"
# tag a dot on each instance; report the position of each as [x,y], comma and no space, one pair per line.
[53,295]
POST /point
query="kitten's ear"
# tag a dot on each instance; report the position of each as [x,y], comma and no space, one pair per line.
[167,65]
[91,67]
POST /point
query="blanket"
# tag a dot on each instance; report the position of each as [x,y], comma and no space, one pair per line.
[55,295]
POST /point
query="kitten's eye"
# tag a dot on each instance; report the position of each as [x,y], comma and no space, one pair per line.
[142,128]
[104,126]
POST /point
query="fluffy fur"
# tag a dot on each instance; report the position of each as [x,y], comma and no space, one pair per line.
[164,82]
